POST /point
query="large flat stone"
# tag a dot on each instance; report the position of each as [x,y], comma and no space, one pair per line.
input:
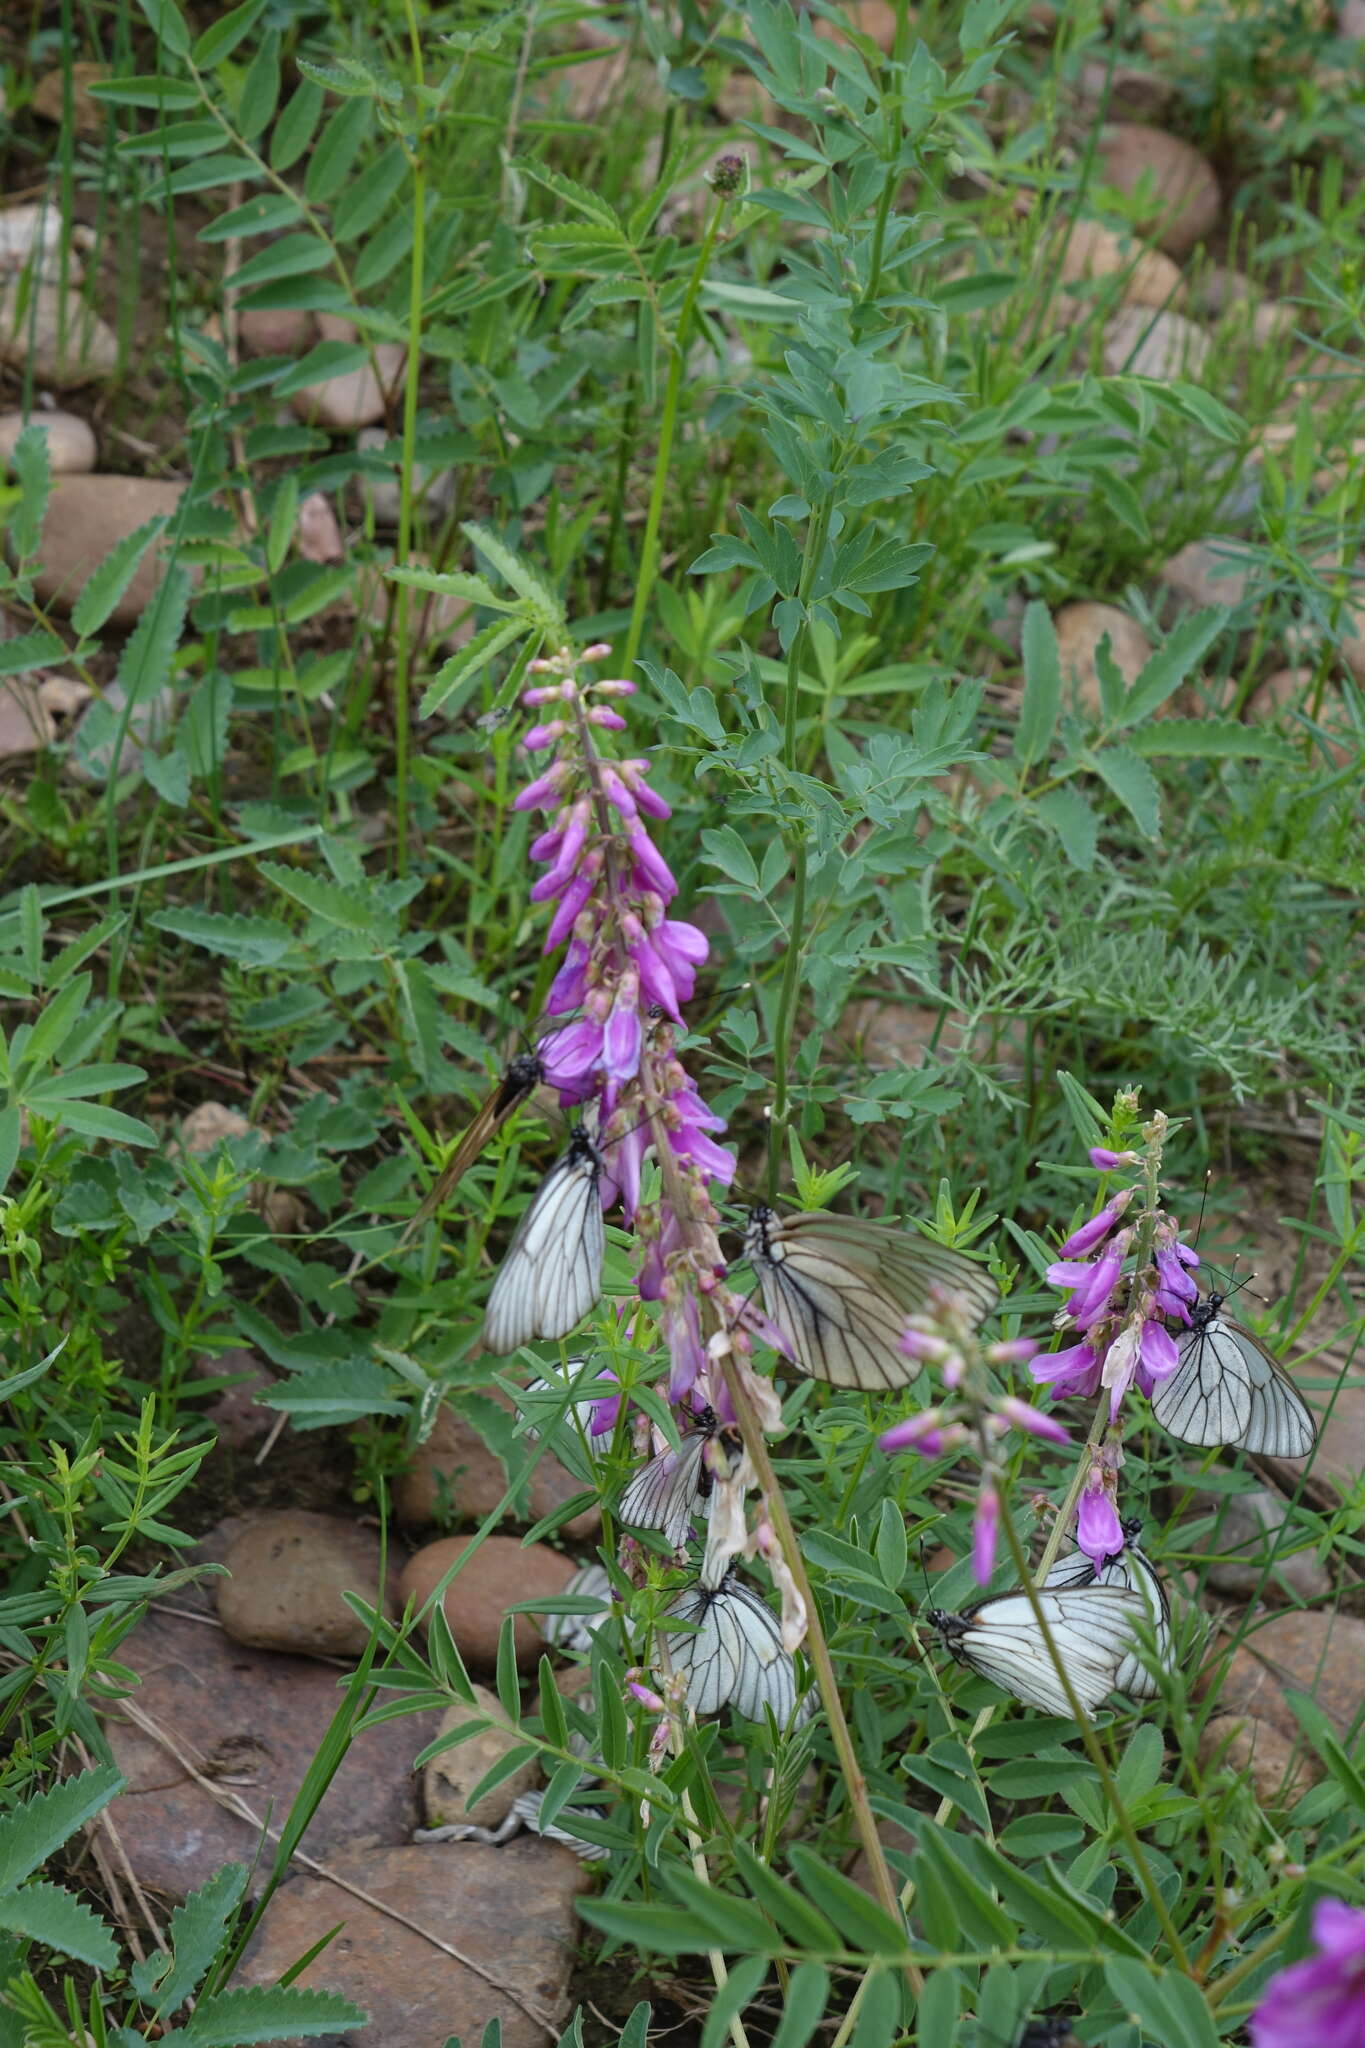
[253,1719]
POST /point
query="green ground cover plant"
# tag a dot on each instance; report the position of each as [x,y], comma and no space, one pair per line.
[764,371]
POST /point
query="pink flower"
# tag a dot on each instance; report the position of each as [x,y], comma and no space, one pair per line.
[1022,1416]
[1160,1355]
[1174,1278]
[985,1525]
[1094,1232]
[1101,1156]
[1099,1532]
[647,1698]
[917,1433]
[1073,1371]
[1319,2003]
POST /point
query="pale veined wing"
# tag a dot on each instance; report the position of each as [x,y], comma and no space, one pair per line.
[840,1291]
[732,1653]
[999,1638]
[1130,1567]
[1227,1389]
[573,1633]
[552,1274]
[670,1491]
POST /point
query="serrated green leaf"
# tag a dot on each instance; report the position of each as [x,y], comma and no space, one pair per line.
[350,910]
[1172,664]
[1042,698]
[1209,739]
[35,1830]
[252,2013]
[1070,815]
[454,681]
[196,1928]
[45,1912]
[29,651]
[145,666]
[1132,782]
[31,462]
[169,776]
[111,579]
[257,941]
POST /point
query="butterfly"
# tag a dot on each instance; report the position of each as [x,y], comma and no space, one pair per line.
[732,1654]
[521,1077]
[552,1274]
[670,1491]
[1091,1629]
[1227,1389]
[840,1291]
[573,1633]
[1132,1568]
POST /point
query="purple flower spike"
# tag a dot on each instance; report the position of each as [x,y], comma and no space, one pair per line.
[1091,1299]
[985,1527]
[1320,2002]
[1099,1532]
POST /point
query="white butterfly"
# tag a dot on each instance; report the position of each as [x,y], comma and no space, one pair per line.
[1132,1568]
[1091,1629]
[552,1274]
[1227,1389]
[670,1491]
[733,1655]
[840,1291]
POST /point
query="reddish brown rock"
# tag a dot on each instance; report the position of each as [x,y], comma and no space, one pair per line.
[1093,251]
[86,515]
[1207,572]
[25,724]
[1185,198]
[1080,628]
[1279,1768]
[55,335]
[275,330]
[252,1720]
[288,1572]
[89,116]
[509,1910]
[500,1574]
[1304,1650]
[449,1778]
[454,1474]
[356,398]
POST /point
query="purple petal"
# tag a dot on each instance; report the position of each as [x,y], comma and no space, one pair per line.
[570,903]
[651,864]
[917,1433]
[1094,1232]
[622,1040]
[1099,1532]
[1159,1351]
[1032,1420]
[985,1524]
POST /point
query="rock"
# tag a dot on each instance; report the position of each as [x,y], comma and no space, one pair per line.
[1244,1538]
[275,330]
[253,1720]
[433,489]
[89,116]
[1277,693]
[211,1124]
[1080,628]
[32,237]
[1226,294]
[86,515]
[62,696]
[70,442]
[1340,1456]
[508,1909]
[289,1572]
[1160,345]
[1184,191]
[1149,278]
[1280,1769]
[316,533]
[1300,1650]
[1207,572]
[25,723]
[501,1573]
[455,1474]
[1124,89]
[357,397]
[1351,21]
[95,733]
[54,335]
[235,1413]
[449,1778]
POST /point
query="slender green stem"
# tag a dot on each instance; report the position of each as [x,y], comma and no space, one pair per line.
[402,708]
[649,546]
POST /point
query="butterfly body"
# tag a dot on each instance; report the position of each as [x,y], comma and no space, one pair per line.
[521,1077]
[1091,1628]
[732,1653]
[552,1275]
[1228,1390]
[840,1291]
[668,1492]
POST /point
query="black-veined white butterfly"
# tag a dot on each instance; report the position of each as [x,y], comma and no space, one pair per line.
[1132,1568]
[732,1654]
[521,1077]
[670,1491]
[840,1291]
[999,1638]
[573,1633]
[552,1274]
[1227,1389]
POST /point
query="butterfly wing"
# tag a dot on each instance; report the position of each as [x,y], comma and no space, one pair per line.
[520,1079]
[1281,1423]
[552,1275]
[708,1656]
[736,1657]
[1208,1398]
[667,1493]
[1133,1570]
[1091,1628]
[767,1675]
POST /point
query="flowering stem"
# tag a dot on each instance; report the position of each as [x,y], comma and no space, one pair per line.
[649,546]
[818,1650]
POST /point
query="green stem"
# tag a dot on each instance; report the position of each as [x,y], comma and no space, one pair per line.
[649,547]
[403,654]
